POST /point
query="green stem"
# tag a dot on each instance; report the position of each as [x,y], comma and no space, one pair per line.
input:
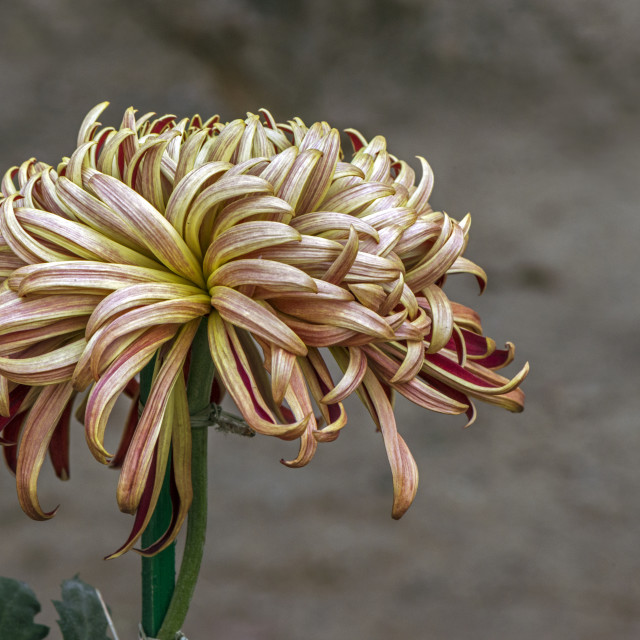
[158,572]
[201,372]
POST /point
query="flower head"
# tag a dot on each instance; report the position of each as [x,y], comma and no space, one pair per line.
[266,233]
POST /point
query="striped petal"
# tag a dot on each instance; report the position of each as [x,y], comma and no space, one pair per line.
[269,274]
[50,368]
[337,272]
[411,364]
[17,341]
[353,199]
[151,490]
[106,391]
[438,261]
[85,277]
[59,445]
[320,384]
[463,265]
[148,226]
[282,364]
[166,312]
[416,390]
[79,239]
[298,400]
[205,204]
[294,185]
[420,197]
[140,454]
[244,239]
[37,432]
[181,488]
[244,312]
[472,379]
[317,186]
[24,245]
[256,208]
[140,295]
[25,314]
[403,467]
[348,315]
[186,190]
[279,167]
[332,225]
[234,370]
[352,377]
[97,215]
[441,318]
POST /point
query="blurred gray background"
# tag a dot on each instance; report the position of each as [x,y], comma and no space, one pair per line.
[525,526]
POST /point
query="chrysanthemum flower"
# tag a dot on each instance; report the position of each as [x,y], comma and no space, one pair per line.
[264,229]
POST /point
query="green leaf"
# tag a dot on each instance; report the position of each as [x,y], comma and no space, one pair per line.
[18,607]
[81,614]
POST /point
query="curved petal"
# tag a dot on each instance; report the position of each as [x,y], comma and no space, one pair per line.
[293,186]
[79,239]
[168,311]
[244,239]
[441,318]
[205,205]
[348,315]
[351,378]
[139,295]
[242,311]
[78,277]
[235,372]
[438,261]
[49,368]
[37,433]
[149,226]
[256,208]
[411,364]
[181,488]
[337,272]
[463,265]
[282,364]
[416,390]
[106,391]
[320,384]
[331,224]
[269,274]
[298,400]
[471,379]
[137,463]
[403,467]
[150,492]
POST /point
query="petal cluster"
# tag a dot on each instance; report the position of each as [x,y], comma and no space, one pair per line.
[265,232]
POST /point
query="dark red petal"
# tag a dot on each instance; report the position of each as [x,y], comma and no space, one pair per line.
[143,508]
[454,394]
[458,346]
[175,505]
[287,414]
[161,123]
[59,445]
[454,369]
[127,434]
[248,386]
[12,433]
[15,400]
[355,141]
[498,359]
[132,390]
[217,391]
